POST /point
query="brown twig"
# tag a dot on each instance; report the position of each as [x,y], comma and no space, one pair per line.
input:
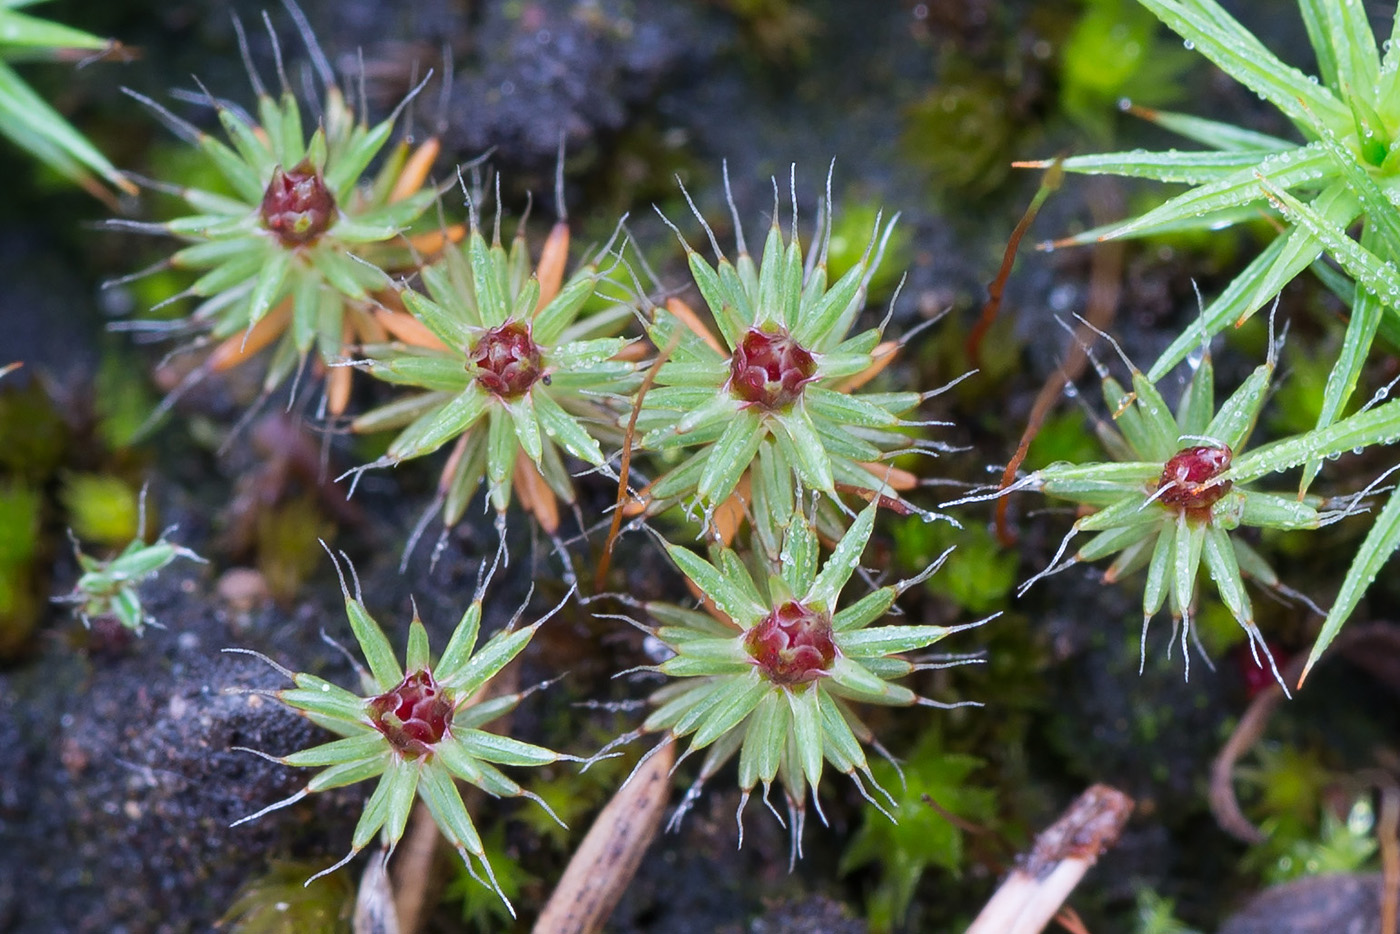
[413,869]
[1069,919]
[625,466]
[1388,835]
[1102,305]
[603,866]
[1035,891]
[1049,184]
[1223,802]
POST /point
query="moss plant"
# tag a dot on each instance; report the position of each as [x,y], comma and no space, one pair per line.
[772,671]
[921,837]
[279,903]
[774,391]
[514,360]
[1342,174]
[1170,506]
[416,728]
[109,588]
[288,258]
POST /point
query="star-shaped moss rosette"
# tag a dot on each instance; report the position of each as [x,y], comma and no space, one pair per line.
[288,257]
[110,588]
[775,392]
[417,728]
[772,674]
[516,361]
[1345,171]
[32,124]
[1174,498]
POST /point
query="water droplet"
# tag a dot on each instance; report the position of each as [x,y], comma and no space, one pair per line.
[1190,46]
[1361,818]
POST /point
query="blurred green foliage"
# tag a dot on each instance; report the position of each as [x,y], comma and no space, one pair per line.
[977,576]
[935,781]
[482,908]
[1064,437]
[1157,915]
[1336,845]
[1304,834]
[281,902]
[102,508]
[852,228]
[282,533]
[1116,50]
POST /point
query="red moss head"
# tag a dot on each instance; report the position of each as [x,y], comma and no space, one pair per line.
[413,716]
[792,645]
[297,206]
[1186,479]
[507,360]
[769,369]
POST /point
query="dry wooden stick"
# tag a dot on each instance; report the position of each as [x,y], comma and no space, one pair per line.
[605,862]
[1033,894]
[1388,833]
[374,902]
[414,878]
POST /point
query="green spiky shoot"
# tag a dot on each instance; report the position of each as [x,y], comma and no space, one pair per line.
[32,124]
[417,728]
[1171,501]
[774,392]
[1346,170]
[519,366]
[109,589]
[287,259]
[773,673]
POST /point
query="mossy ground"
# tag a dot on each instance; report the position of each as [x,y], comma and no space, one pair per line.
[118,784]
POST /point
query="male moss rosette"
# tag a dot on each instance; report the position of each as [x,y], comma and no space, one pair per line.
[1172,501]
[1341,171]
[773,673]
[775,390]
[417,728]
[287,256]
[514,361]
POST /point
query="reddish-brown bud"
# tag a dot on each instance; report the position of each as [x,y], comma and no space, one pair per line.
[297,206]
[413,716]
[507,360]
[1186,478]
[792,645]
[769,369]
